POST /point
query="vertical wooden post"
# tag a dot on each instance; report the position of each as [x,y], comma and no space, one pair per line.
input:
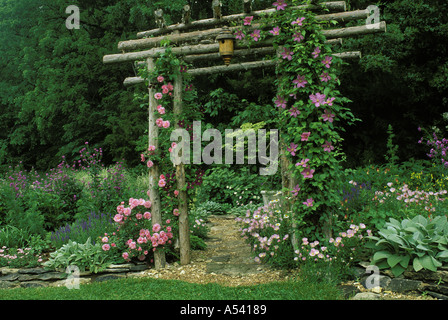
[184,228]
[288,182]
[154,196]
[247,6]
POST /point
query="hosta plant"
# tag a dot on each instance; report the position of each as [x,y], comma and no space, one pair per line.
[414,244]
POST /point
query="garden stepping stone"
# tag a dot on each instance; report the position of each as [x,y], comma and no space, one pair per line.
[233,254]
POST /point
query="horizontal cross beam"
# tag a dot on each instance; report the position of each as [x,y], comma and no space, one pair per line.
[334,6]
[243,66]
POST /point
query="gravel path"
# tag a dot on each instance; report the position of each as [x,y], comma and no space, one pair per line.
[227,260]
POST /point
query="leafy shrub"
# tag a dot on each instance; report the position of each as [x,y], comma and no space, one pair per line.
[86,256]
[418,243]
[226,185]
[212,207]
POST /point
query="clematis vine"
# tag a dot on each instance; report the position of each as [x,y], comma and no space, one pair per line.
[318,99]
[287,54]
[300,82]
[328,116]
[280,4]
[280,102]
[275,31]
[292,148]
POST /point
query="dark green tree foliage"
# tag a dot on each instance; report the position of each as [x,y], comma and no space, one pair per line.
[55,92]
[401,79]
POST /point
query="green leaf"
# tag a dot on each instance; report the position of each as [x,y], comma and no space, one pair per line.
[416,263]
[393,260]
[443,254]
[381,255]
[427,263]
[397,270]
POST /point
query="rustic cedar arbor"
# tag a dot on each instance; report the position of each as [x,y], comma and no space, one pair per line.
[195,41]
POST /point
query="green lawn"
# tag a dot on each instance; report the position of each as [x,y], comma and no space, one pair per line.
[156,289]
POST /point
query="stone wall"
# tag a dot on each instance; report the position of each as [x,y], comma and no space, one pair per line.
[40,277]
[434,284]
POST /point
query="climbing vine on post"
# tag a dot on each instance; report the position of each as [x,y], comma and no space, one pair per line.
[172,107]
[310,110]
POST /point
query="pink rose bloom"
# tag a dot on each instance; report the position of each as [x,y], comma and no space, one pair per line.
[162,183]
[160,78]
[106,247]
[176,212]
[125,255]
[151,148]
[166,124]
[141,240]
[156,228]
[176,193]
[161,109]
[165,89]
[139,216]
[132,245]
[147,215]
[159,122]
[147,204]
[120,208]
[127,211]
[118,218]
[149,164]
[142,157]
[170,86]
[105,239]
[158,96]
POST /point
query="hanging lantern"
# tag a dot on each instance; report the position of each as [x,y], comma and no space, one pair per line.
[226,41]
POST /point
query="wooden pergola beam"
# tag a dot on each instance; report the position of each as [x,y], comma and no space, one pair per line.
[243,66]
[333,6]
[198,35]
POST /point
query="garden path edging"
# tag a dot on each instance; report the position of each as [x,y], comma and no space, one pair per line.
[41,277]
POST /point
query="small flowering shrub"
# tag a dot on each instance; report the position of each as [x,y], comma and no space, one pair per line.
[136,237]
[19,257]
[344,250]
[267,231]
[419,199]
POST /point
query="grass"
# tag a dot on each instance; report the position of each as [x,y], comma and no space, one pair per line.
[157,289]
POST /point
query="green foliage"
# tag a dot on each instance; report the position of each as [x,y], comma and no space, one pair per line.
[86,256]
[235,187]
[417,243]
